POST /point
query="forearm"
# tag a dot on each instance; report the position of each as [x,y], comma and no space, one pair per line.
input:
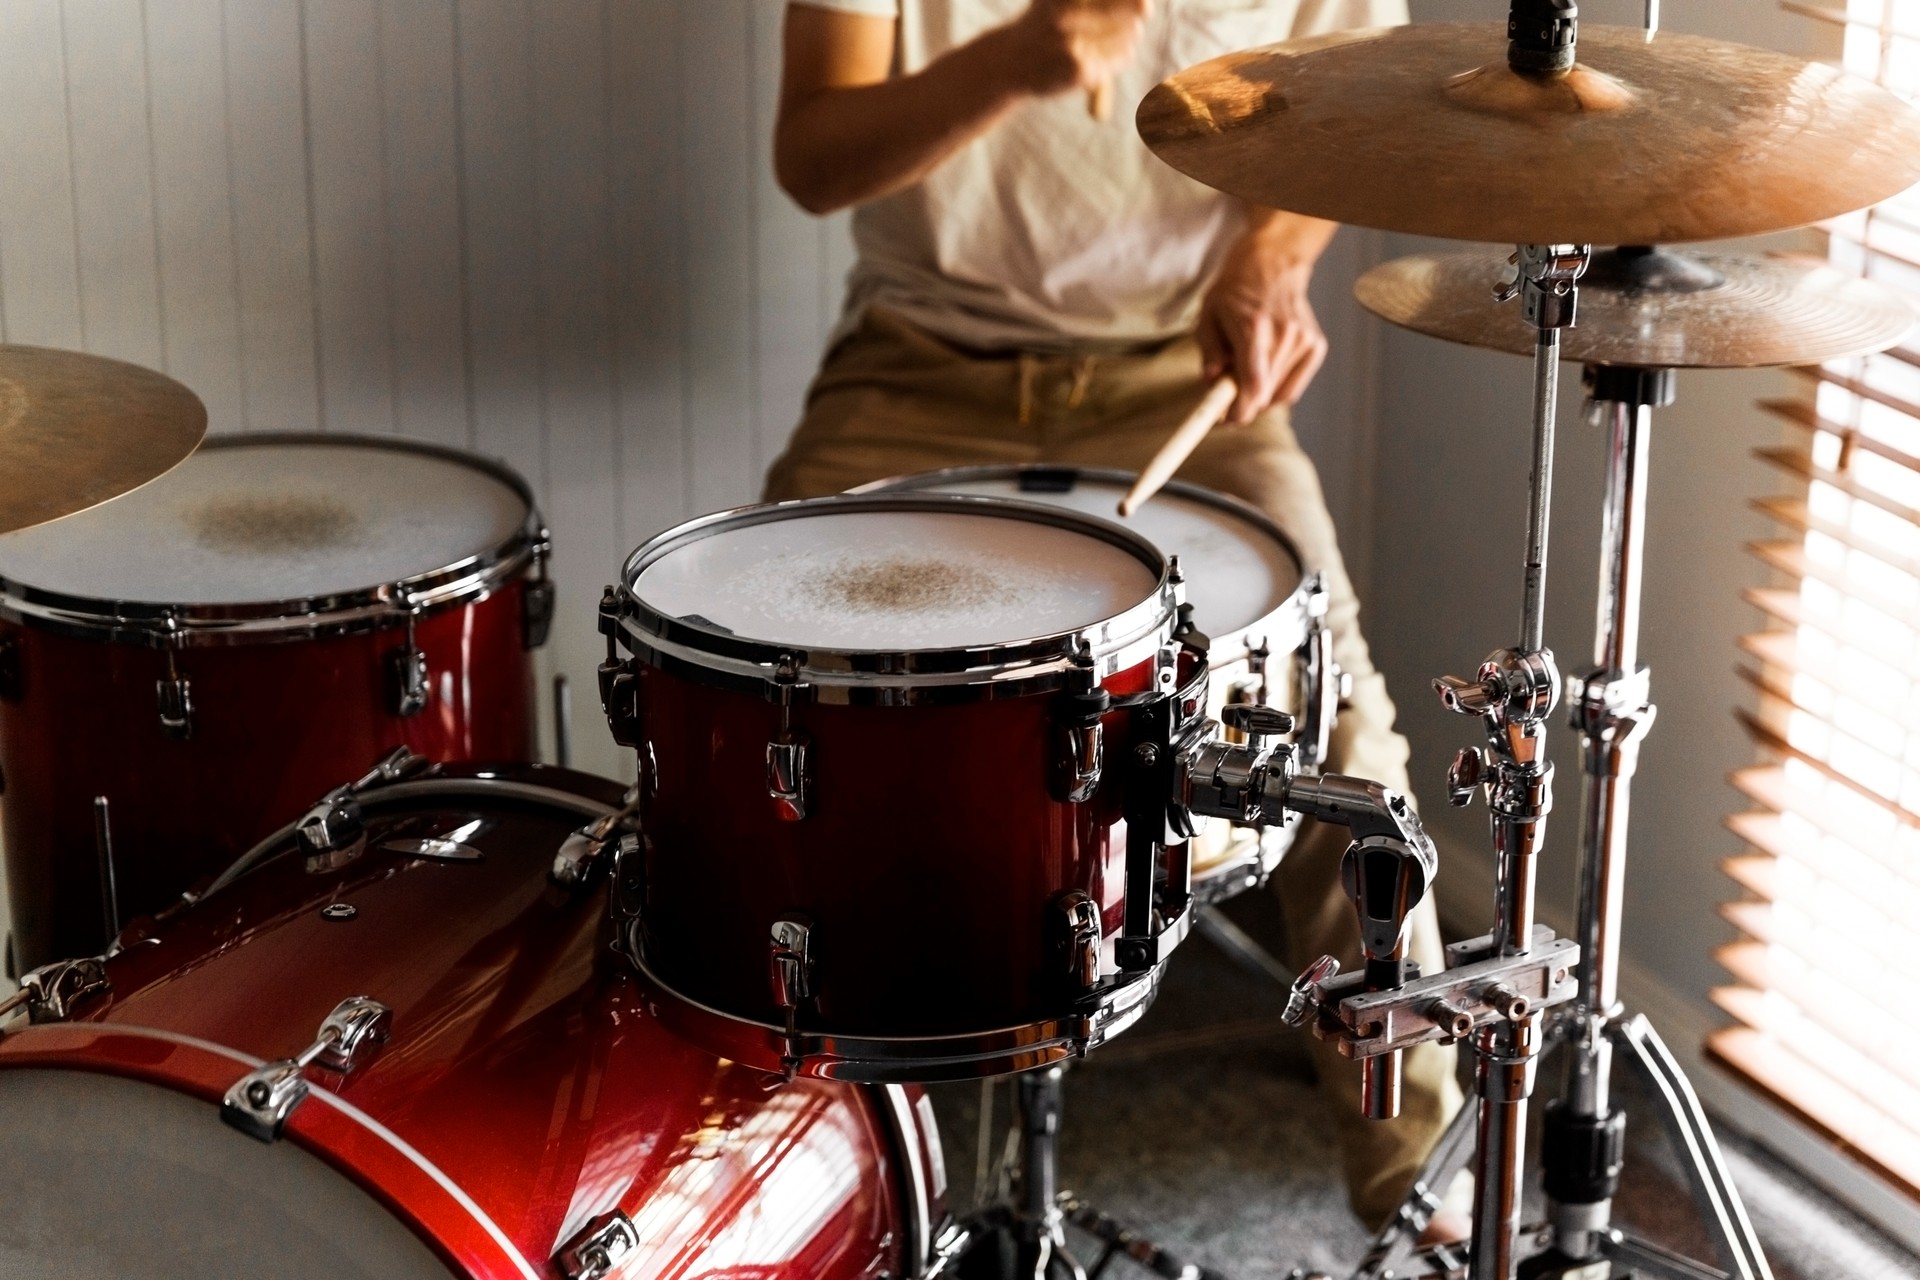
[1288,240]
[844,146]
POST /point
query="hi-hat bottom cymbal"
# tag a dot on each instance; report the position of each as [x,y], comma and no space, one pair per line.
[1653,309]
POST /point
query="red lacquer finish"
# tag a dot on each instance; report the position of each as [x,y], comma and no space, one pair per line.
[930,862]
[275,725]
[525,1090]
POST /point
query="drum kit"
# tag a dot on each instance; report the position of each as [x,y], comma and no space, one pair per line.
[931,778]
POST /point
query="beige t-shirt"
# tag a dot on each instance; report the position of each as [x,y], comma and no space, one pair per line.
[1054,230]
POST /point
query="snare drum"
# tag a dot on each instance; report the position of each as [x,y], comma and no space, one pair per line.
[1262,612]
[495,1101]
[882,747]
[218,648]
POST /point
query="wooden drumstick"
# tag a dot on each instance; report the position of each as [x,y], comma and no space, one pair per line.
[1184,440]
[1100,101]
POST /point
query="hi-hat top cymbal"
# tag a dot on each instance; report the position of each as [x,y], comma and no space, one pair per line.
[76,430]
[1426,130]
[1653,309]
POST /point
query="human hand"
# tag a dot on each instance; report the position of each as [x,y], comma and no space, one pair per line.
[1257,324]
[1062,45]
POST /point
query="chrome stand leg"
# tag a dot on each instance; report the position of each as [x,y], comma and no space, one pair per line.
[1687,1127]
[1238,946]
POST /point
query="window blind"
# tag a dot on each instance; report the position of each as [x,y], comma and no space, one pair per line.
[1825,994]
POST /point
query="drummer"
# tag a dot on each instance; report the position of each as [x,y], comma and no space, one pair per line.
[1032,285]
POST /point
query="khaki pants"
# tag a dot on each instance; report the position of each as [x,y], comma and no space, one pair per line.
[892,400]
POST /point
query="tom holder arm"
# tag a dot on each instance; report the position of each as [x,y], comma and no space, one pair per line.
[1376,1013]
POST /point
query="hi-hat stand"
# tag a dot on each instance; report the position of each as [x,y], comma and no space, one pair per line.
[1583,1145]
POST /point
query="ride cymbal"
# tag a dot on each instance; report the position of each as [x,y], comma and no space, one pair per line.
[1425,129]
[1653,309]
[76,430]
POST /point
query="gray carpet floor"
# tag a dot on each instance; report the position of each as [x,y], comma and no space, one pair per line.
[1201,1128]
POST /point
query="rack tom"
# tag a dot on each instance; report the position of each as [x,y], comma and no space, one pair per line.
[215,650]
[883,744]
[1263,613]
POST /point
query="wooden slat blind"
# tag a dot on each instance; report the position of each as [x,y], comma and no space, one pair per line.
[1826,1009]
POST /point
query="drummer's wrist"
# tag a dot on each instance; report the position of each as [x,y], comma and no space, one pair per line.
[1286,242]
[1009,67]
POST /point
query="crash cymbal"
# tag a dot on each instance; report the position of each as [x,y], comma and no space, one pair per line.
[76,430]
[1653,309]
[1424,129]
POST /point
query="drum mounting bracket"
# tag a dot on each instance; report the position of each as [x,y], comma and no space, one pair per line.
[1155,922]
[1478,988]
[790,974]
[174,691]
[409,682]
[1080,755]
[260,1102]
[52,991]
[790,752]
[599,1249]
[582,854]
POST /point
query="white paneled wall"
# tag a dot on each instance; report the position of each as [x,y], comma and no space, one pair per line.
[542,229]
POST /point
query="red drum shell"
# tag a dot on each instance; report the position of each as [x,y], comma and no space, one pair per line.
[275,725]
[931,869]
[525,1090]
[928,863]
[290,695]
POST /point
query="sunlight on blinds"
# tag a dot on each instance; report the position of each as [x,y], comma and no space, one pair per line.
[1833,864]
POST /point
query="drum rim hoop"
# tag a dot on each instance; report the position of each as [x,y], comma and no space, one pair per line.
[930,1059]
[163,624]
[898,677]
[550,785]
[388,1143]
[1291,618]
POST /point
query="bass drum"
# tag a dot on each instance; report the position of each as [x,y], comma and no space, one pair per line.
[491,1097]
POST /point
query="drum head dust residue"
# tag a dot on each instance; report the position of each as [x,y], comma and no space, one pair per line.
[240,523]
[896,580]
[1237,575]
[255,521]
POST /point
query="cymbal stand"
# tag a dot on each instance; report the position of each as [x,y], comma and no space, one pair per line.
[1583,1146]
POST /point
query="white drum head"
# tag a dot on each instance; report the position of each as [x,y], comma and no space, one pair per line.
[254,522]
[112,1177]
[891,581]
[1237,575]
